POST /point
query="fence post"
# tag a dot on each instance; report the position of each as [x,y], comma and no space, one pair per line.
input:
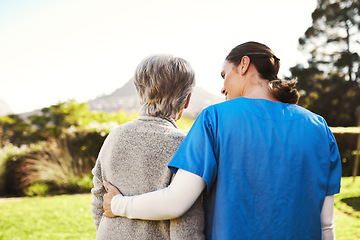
[356,167]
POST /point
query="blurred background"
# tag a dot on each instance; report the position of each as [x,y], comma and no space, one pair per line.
[66,69]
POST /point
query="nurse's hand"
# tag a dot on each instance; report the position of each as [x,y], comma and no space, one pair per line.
[111,192]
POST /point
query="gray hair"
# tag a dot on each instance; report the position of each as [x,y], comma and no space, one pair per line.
[163,83]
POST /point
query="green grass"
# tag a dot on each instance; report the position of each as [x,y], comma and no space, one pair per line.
[69,216]
[58,217]
[347,210]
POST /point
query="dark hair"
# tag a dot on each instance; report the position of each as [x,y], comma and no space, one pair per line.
[267,65]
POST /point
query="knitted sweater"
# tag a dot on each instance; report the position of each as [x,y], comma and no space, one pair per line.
[134,158]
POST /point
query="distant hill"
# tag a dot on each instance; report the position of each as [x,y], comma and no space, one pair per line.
[125,98]
[4,108]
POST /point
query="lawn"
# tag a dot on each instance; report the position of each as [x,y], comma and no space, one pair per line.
[347,210]
[69,216]
[58,217]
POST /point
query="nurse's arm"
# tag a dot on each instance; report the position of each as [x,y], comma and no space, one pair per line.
[168,203]
[327,219]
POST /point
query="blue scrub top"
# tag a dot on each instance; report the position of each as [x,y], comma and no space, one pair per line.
[268,167]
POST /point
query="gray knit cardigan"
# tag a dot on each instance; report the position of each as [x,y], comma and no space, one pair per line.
[134,158]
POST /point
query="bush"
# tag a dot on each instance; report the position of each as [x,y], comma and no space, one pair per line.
[36,189]
[85,183]
[62,162]
[11,158]
[26,170]
[57,167]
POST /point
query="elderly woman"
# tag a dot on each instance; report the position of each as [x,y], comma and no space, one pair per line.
[135,155]
[270,168]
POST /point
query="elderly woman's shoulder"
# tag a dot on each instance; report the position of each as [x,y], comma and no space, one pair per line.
[177,134]
[122,127]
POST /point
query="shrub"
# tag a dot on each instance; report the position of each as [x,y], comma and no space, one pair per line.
[58,168]
[26,170]
[10,163]
[85,183]
[62,164]
[36,189]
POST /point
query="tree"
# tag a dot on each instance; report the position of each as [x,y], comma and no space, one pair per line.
[57,118]
[14,129]
[333,40]
[329,85]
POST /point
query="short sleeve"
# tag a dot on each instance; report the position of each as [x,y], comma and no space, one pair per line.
[335,167]
[197,154]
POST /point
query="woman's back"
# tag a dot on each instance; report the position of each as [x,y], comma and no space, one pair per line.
[271,160]
[134,158]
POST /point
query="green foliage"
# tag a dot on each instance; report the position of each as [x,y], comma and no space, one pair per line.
[85,183]
[56,118]
[14,129]
[54,122]
[51,164]
[329,86]
[333,37]
[10,157]
[58,150]
[332,97]
[36,189]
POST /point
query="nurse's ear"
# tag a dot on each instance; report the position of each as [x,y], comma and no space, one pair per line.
[244,65]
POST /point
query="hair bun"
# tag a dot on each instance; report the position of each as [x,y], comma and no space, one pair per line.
[285,91]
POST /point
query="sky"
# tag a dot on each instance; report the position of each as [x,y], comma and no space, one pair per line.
[53,51]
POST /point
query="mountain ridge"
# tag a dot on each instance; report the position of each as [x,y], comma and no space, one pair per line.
[126,98]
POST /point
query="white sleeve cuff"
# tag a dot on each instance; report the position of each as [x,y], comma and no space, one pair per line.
[119,203]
